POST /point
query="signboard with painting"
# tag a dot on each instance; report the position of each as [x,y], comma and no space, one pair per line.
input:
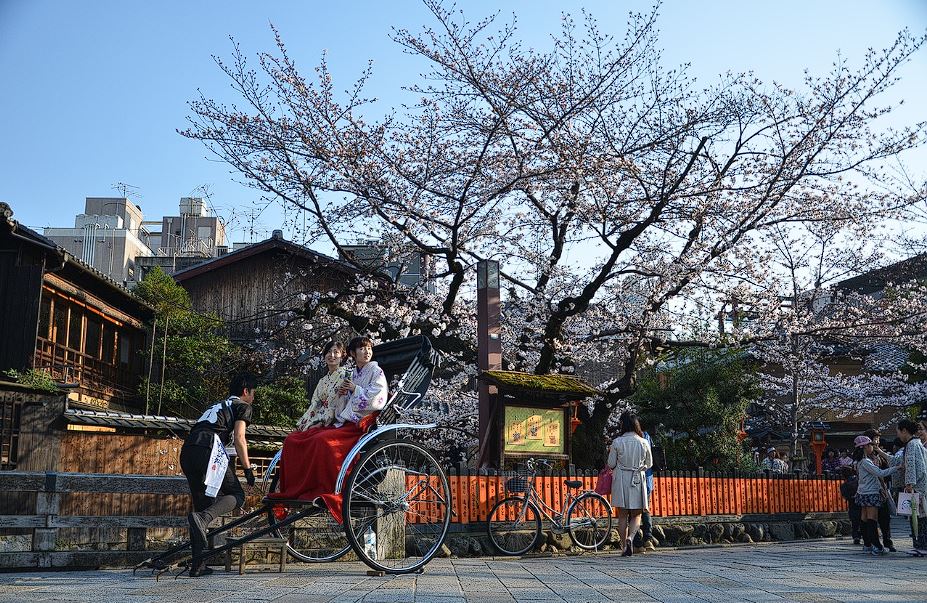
[534,430]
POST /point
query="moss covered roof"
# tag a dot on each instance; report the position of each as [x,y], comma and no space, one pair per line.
[561,384]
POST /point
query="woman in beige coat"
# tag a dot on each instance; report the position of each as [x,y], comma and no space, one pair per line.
[629,457]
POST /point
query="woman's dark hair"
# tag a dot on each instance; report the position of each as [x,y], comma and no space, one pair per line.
[872,434]
[359,342]
[908,425]
[241,382]
[629,422]
[334,344]
[859,454]
[830,451]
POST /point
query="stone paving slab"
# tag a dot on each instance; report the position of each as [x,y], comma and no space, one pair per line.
[796,571]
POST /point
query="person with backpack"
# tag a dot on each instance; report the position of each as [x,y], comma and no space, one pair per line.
[848,492]
[210,473]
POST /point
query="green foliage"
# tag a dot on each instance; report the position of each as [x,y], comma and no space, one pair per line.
[160,290]
[281,402]
[34,378]
[698,405]
[199,359]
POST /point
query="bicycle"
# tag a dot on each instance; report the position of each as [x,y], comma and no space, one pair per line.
[514,523]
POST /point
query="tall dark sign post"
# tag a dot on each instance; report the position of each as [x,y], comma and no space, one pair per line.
[489,348]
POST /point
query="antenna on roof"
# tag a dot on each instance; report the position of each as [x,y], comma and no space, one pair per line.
[127,190]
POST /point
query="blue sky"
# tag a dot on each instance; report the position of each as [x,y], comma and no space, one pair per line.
[92,92]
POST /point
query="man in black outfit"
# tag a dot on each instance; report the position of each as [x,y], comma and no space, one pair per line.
[222,424]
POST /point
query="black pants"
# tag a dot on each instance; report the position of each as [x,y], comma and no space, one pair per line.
[885,525]
[643,535]
[194,460]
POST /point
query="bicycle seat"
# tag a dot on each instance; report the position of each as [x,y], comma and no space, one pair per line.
[573,483]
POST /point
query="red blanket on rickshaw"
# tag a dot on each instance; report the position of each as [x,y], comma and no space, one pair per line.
[311,460]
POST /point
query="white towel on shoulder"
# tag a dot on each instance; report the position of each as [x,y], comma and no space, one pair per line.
[215,472]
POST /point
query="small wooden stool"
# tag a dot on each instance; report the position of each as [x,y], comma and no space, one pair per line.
[268,542]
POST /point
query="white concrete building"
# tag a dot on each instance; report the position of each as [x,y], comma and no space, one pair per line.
[108,236]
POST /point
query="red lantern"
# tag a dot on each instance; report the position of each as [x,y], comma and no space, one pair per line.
[575,422]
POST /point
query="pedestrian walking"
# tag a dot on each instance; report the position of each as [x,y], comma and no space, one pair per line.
[915,474]
[646,531]
[629,457]
[869,493]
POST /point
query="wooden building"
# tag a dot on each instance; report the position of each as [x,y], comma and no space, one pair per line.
[256,286]
[60,315]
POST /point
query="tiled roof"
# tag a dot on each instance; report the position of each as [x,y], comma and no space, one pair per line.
[885,357]
[899,272]
[108,418]
[255,249]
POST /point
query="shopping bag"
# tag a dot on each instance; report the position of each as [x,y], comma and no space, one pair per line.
[604,484]
[908,501]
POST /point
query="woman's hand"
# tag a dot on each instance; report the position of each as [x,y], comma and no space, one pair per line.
[909,489]
[346,386]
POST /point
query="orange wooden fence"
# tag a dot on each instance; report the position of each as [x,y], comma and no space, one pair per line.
[675,494]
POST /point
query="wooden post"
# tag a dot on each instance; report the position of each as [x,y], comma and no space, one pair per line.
[47,503]
[489,353]
[391,529]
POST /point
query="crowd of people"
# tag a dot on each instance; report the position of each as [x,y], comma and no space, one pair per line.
[874,477]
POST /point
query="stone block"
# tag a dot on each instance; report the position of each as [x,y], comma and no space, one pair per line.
[801,530]
[657,531]
[736,530]
[677,534]
[561,541]
[459,546]
[781,531]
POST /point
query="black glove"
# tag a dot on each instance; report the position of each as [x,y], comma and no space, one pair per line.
[249,476]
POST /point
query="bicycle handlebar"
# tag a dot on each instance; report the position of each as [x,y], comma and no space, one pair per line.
[532,463]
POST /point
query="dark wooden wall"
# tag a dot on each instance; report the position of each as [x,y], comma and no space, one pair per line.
[21,269]
[251,292]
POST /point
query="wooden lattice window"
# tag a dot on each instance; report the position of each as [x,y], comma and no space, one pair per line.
[10,415]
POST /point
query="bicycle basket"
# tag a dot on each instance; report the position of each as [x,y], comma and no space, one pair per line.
[518,485]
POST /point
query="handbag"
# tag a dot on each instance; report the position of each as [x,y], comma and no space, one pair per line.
[603,485]
[908,501]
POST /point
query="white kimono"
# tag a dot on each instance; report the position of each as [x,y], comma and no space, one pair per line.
[369,394]
[325,404]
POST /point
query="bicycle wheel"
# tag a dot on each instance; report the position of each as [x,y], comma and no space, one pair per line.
[514,526]
[589,521]
[397,507]
[313,539]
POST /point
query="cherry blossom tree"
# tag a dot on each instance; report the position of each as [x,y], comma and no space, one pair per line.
[617,194]
[831,346]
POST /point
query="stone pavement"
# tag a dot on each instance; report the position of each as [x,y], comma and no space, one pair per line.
[796,571]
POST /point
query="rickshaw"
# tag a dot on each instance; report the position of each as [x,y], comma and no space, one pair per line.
[396,497]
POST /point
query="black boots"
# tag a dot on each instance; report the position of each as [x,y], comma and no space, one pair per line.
[199,523]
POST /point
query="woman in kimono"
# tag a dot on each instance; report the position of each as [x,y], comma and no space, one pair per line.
[341,411]
[326,403]
[629,457]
